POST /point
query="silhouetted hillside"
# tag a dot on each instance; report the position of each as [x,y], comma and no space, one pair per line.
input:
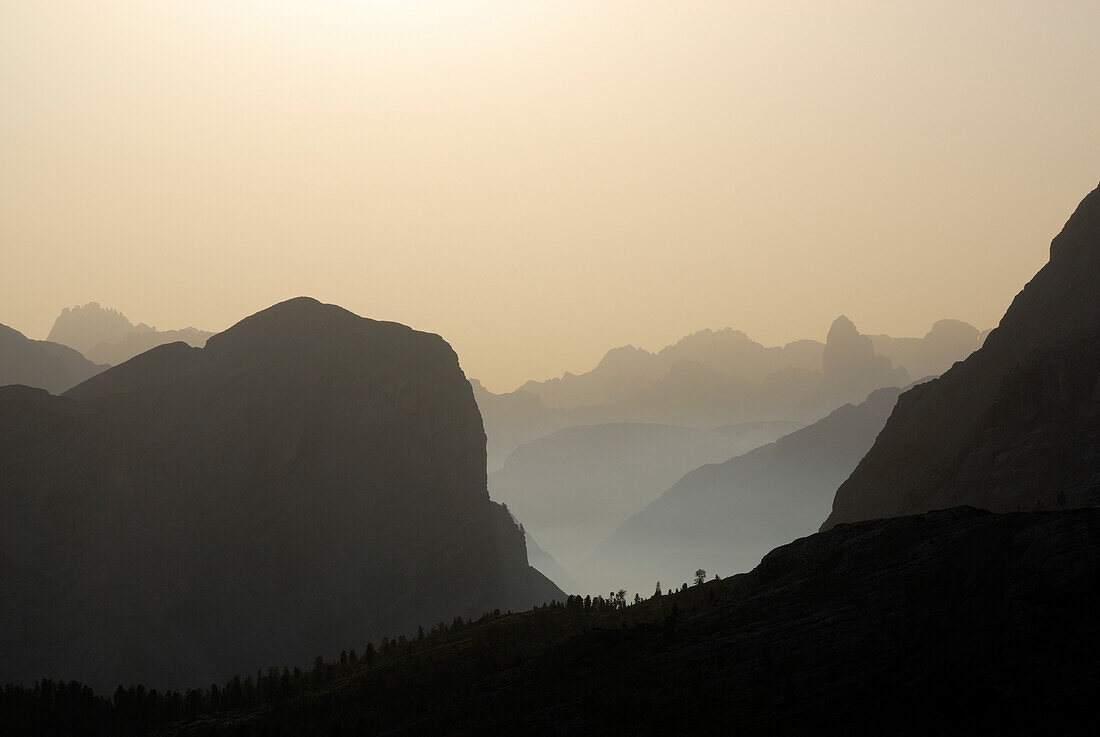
[1017,424]
[309,478]
[956,622]
[572,488]
[107,336]
[41,364]
[724,517]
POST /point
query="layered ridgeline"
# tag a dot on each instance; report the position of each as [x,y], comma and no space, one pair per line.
[307,480]
[107,336]
[40,363]
[1016,425]
[573,487]
[724,517]
[716,378]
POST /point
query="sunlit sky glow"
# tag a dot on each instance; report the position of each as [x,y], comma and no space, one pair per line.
[540,181]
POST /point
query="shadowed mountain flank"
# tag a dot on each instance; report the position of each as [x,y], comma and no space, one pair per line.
[309,478]
[107,336]
[41,364]
[723,517]
[1015,425]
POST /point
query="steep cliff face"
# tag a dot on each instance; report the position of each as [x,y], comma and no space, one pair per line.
[42,364]
[953,440]
[308,480]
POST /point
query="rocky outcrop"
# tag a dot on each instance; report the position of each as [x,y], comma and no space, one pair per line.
[724,517]
[956,440]
[307,480]
[40,363]
[84,326]
[851,368]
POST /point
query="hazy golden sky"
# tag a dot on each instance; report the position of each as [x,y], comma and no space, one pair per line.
[540,181]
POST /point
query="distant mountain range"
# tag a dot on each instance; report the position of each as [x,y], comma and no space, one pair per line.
[1017,424]
[105,336]
[715,378]
[309,478]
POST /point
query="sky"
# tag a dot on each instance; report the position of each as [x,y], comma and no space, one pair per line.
[540,181]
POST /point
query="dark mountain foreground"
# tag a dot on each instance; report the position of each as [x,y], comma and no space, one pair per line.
[1017,424]
[308,479]
[954,622]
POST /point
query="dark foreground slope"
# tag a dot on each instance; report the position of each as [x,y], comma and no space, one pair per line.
[1013,405]
[955,622]
[40,363]
[309,478]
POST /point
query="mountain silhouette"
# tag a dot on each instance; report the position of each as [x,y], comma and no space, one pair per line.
[723,517]
[308,479]
[1015,425]
[42,364]
[106,336]
[572,488]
